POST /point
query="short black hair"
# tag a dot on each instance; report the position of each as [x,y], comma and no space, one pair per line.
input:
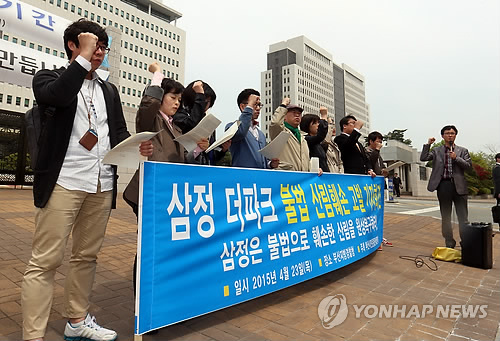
[189,94]
[497,156]
[449,127]
[81,26]
[374,135]
[245,94]
[344,120]
[307,120]
[169,85]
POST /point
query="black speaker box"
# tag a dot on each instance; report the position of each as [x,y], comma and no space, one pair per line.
[476,245]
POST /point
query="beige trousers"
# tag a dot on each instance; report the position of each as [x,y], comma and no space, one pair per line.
[84,215]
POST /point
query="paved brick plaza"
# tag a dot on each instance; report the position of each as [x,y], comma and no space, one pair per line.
[289,314]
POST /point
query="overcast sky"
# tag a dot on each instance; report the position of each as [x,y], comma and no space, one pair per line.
[426,63]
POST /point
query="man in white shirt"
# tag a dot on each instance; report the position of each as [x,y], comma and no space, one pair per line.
[73,190]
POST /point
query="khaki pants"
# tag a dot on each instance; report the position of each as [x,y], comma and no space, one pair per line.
[84,215]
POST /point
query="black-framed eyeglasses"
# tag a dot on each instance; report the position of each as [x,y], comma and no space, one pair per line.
[103,48]
[260,105]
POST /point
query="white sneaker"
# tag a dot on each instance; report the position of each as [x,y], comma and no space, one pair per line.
[88,330]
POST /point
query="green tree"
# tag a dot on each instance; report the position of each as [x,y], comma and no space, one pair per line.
[398,135]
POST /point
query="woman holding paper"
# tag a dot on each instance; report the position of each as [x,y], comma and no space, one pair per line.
[316,130]
[159,104]
[197,98]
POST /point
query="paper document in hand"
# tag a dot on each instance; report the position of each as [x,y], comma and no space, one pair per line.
[228,134]
[203,130]
[276,146]
[126,153]
[395,165]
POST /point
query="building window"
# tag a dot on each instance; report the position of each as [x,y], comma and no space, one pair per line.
[14,40]
[92,16]
[32,46]
[1,98]
[18,100]
[73,8]
[122,13]
[47,50]
[9,99]
[54,53]
[66,5]
[26,102]
[86,14]
[79,11]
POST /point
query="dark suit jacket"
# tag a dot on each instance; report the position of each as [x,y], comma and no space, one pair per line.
[315,147]
[165,149]
[376,161]
[187,118]
[496,179]
[460,164]
[61,93]
[353,153]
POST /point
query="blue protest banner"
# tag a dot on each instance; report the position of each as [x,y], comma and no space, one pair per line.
[212,237]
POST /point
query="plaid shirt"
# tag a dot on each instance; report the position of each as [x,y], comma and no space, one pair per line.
[448,164]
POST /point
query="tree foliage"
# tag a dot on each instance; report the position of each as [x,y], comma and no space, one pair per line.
[398,135]
[479,178]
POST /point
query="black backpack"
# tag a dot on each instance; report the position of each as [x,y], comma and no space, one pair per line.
[34,127]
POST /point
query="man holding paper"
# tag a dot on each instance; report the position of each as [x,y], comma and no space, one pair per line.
[249,139]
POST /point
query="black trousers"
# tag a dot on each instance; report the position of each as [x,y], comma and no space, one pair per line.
[447,195]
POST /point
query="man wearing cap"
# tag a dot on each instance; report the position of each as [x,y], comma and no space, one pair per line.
[295,155]
[351,150]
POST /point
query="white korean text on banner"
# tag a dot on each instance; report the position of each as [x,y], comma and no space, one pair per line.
[212,237]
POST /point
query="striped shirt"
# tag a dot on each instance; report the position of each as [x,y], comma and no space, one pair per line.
[82,170]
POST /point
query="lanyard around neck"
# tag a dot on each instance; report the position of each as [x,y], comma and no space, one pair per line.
[91,107]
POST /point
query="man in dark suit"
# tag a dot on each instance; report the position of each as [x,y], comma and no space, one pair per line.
[352,151]
[396,184]
[73,190]
[449,162]
[496,178]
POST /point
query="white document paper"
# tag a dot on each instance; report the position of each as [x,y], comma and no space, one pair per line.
[395,165]
[202,130]
[276,146]
[126,153]
[228,134]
